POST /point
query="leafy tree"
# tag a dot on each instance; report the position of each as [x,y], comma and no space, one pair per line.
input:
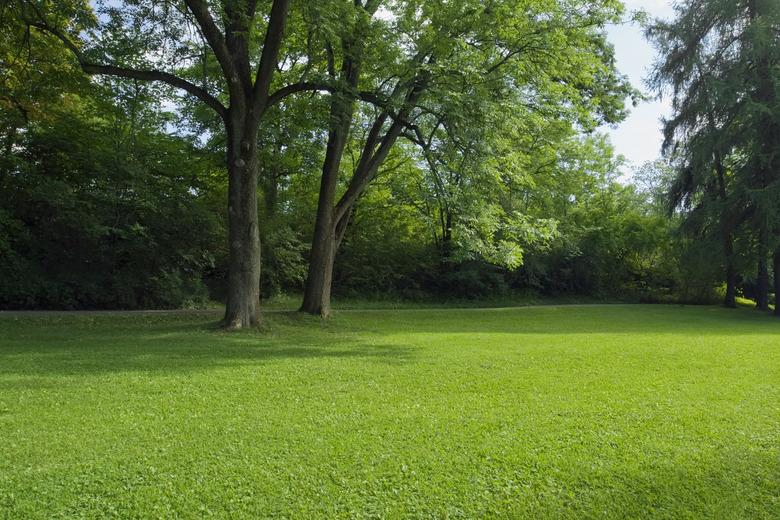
[447,58]
[719,59]
[153,41]
[94,187]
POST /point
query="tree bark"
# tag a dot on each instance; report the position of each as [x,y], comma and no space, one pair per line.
[762,282]
[242,309]
[777,281]
[319,279]
[319,282]
[730,299]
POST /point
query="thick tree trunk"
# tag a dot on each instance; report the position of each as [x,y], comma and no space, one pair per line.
[243,300]
[319,283]
[762,282]
[319,280]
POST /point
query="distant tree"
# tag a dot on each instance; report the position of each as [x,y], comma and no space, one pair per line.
[102,209]
[719,59]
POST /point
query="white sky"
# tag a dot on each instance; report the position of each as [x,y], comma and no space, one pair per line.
[639,137]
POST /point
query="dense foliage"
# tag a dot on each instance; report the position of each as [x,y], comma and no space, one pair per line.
[99,214]
[466,160]
[720,60]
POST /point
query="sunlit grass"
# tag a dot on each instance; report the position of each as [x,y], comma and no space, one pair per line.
[582,411]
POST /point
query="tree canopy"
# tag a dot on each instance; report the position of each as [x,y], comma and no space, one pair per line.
[378,148]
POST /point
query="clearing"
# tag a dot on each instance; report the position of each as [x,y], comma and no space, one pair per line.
[569,411]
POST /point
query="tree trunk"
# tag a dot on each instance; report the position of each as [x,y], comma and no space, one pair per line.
[731,273]
[764,96]
[446,238]
[777,281]
[243,297]
[329,232]
[328,235]
[730,300]
[319,280]
[762,286]
[762,283]
[332,217]
[446,264]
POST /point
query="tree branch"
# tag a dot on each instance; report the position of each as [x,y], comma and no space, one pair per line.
[144,75]
[213,35]
[270,54]
[156,75]
[309,86]
[304,86]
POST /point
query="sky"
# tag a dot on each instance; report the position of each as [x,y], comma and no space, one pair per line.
[639,137]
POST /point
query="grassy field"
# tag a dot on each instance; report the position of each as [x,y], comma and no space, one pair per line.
[545,412]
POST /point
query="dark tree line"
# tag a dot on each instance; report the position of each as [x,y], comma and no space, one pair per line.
[384,148]
[721,61]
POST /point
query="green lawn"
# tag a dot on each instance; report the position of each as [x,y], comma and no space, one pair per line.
[544,412]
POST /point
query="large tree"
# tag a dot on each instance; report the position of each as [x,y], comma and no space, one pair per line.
[350,43]
[443,61]
[719,60]
[148,40]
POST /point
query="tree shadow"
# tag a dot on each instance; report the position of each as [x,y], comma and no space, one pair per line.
[70,345]
[94,343]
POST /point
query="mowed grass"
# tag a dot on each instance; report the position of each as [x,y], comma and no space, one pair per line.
[546,412]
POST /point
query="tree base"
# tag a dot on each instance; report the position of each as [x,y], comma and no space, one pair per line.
[236,323]
[319,311]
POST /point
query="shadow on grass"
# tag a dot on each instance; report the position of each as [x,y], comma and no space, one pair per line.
[543,319]
[73,344]
[70,345]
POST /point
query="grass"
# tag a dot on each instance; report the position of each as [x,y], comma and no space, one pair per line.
[291,302]
[538,412]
